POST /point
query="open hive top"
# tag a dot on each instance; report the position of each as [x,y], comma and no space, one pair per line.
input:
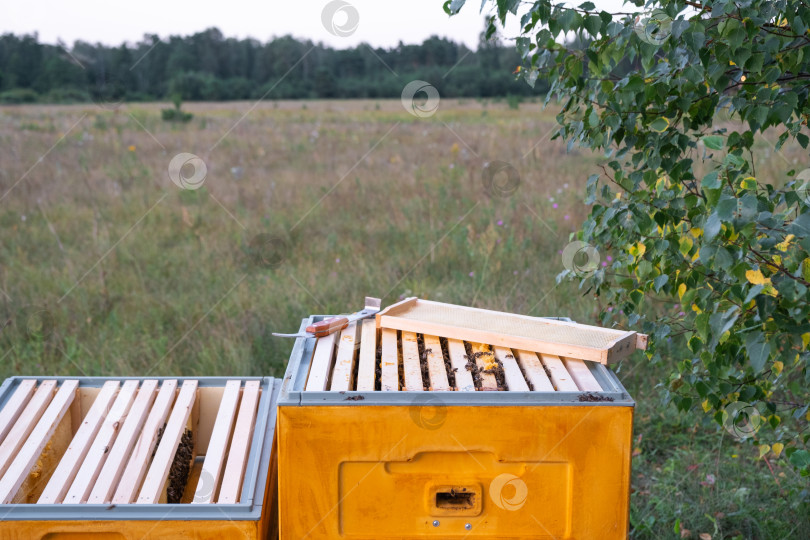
[381,363]
[118,447]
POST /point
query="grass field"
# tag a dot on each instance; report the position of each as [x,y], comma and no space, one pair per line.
[109,268]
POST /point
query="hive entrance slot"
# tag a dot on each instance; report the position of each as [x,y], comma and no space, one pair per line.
[455,499]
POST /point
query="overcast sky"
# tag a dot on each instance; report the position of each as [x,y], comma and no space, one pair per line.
[382,23]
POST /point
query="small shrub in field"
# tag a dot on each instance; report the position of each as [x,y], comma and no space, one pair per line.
[514,102]
[176,114]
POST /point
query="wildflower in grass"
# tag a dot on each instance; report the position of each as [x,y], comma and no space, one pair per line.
[500,223]
[472,274]
[555,205]
[710,480]
[131,148]
[566,217]
[337,260]
[609,258]
[604,264]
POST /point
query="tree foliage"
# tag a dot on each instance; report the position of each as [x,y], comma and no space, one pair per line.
[209,66]
[676,94]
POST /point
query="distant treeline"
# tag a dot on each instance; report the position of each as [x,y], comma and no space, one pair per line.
[209,66]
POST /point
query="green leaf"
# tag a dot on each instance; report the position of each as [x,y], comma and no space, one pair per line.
[800,459]
[726,207]
[660,281]
[712,226]
[454,6]
[685,245]
[593,23]
[757,350]
[522,45]
[702,325]
[710,181]
[720,323]
[660,124]
[714,142]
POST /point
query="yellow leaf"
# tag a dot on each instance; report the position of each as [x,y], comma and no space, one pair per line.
[682,290]
[696,309]
[637,250]
[764,449]
[778,366]
[806,339]
[777,260]
[749,183]
[777,448]
[696,232]
[706,406]
[755,277]
[696,256]
[783,246]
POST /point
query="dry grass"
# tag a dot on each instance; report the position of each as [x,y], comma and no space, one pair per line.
[357,198]
[108,268]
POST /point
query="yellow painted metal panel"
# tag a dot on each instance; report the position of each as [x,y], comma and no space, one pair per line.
[129,530]
[532,472]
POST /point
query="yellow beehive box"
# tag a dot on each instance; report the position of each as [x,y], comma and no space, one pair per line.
[396,434]
[129,458]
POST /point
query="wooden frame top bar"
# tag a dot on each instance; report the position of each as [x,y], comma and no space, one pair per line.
[561,338]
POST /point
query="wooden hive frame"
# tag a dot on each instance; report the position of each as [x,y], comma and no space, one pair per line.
[121,442]
[405,361]
[540,335]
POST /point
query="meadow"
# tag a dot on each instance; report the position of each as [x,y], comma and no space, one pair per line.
[108,267]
